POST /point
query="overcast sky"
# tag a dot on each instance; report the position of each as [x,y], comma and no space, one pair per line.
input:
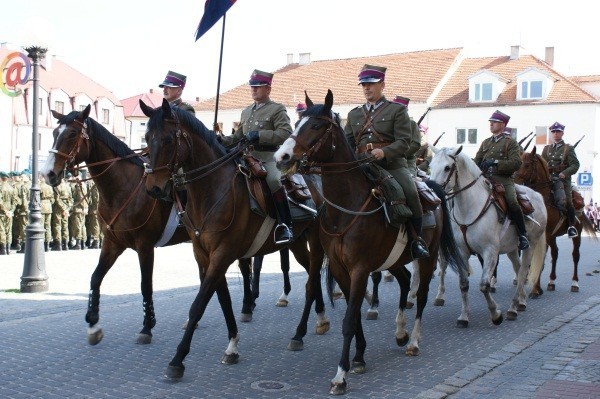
[129,45]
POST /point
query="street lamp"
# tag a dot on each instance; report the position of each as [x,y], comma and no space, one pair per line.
[34,278]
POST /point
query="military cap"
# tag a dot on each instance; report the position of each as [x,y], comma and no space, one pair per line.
[173,79]
[402,100]
[371,74]
[301,107]
[498,116]
[557,127]
[3,175]
[260,78]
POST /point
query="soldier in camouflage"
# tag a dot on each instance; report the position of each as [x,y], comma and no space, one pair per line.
[78,212]
[92,224]
[61,210]
[47,199]
[22,211]
[8,203]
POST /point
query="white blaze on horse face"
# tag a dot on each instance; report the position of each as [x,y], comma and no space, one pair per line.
[287,148]
[49,164]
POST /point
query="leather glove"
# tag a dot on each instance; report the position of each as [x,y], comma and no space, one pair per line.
[485,165]
[252,137]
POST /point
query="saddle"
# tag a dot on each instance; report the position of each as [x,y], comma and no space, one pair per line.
[500,201]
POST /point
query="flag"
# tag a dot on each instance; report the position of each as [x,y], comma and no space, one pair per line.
[213,11]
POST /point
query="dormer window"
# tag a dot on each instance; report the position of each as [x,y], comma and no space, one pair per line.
[483,92]
[485,86]
[534,84]
[532,90]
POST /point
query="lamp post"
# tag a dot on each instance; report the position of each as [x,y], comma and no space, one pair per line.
[34,278]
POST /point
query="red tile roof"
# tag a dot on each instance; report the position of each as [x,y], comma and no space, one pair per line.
[131,105]
[585,79]
[414,75]
[455,93]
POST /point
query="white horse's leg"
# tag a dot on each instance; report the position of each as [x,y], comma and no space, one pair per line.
[402,336]
[387,276]
[489,263]
[413,345]
[463,282]
[414,285]
[282,302]
[322,323]
[231,355]
[521,269]
[440,298]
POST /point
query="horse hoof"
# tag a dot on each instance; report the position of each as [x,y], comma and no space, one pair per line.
[574,288]
[95,337]
[295,345]
[521,307]
[439,302]
[232,358]
[492,289]
[323,327]
[551,287]
[282,303]
[246,317]
[409,305]
[388,278]
[372,314]
[510,315]
[402,341]
[144,339]
[412,351]
[338,388]
[358,367]
[462,323]
[175,372]
[499,320]
[338,295]
[534,295]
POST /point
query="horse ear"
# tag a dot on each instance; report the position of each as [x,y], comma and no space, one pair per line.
[434,149]
[328,102]
[148,111]
[533,150]
[307,100]
[85,113]
[458,151]
[166,108]
[57,115]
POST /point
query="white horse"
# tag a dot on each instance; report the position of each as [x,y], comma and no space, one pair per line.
[477,229]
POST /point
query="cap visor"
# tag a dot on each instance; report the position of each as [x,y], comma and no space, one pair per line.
[167,84]
[369,80]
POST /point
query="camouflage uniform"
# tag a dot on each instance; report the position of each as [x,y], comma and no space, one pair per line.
[63,201]
[8,203]
[22,213]
[78,213]
[47,199]
[91,219]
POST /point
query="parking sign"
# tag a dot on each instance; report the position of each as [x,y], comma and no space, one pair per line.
[584,179]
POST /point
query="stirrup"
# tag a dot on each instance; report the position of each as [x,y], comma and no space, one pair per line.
[282,234]
[572,232]
[523,242]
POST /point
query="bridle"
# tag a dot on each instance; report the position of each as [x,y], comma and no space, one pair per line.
[82,136]
[530,179]
[454,173]
[173,165]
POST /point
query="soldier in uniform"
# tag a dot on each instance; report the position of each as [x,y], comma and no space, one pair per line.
[415,138]
[424,155]
[266,125]
[78,212]
[383,129]
[92,224]
[63,201]
[498,158]
[47,199]
[173,86]
[563,163]
[8,203]
[22,211]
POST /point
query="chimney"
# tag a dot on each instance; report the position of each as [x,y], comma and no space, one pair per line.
[304,58]
[151,91]
[549,56]
[514,52]
[290,58]
[197,99]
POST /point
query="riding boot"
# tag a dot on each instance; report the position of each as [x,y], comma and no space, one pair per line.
[2,249]
[283,231]
[518,218]
[418,246]
[571,231]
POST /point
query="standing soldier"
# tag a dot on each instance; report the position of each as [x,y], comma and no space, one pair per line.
[383,129]
[63,201]
[47,199]
[78,213]
[563,163]
[8,203]
[91,219]
[498,158]
[15,182]
[22,211]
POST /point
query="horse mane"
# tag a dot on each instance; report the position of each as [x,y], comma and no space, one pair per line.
[119,148]
[544,164]
[195,126]
[468,163]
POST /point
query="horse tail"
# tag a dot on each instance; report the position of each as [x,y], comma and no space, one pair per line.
[588,226]
[448,246]
[537,260]
[329,280]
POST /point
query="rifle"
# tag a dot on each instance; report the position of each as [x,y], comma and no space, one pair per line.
[527,145]
[423,116]
[525,138]
[438,139]
[575,145]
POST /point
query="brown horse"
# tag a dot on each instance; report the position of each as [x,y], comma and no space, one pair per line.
[131,219]
[218,215]
[354,234]
[534,173]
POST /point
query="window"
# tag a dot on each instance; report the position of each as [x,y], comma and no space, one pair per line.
[541,135]
[483,92]
[59,107]
[466,136]
[143,143]
[513,132]
[531,89]
[105,116]
[40,105]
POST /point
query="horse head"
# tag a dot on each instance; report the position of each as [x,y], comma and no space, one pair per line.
[444,166]
[533,170]
[68,149]
[313,140]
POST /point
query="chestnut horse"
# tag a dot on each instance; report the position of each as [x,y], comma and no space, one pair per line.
[534,173]
[218,217]
[354,233]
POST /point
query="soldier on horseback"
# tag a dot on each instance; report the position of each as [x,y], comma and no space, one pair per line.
[498,158]
[383,129]
[563,163]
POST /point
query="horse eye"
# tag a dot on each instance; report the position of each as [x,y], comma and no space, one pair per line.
[447,168]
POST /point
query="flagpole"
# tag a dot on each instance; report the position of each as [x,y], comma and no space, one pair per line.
[215,126]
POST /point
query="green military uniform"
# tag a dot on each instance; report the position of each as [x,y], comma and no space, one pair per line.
[22,212]
[46,201]
[63,201]
[179,103]
[8,203]
[78,212]
[415,144]
[92,223]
